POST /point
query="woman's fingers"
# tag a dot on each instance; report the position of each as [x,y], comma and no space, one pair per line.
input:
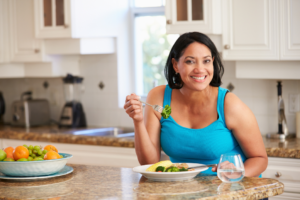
[133,107]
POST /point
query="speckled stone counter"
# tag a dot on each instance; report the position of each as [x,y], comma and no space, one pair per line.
[287,149]
[290,148]
[54,134]
[95,182]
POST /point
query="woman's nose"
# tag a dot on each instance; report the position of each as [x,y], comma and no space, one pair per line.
[198,68]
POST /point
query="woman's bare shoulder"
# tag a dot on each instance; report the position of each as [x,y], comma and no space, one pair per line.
[235,109]
[156,95]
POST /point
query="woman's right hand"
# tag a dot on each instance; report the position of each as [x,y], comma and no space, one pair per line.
[133,107]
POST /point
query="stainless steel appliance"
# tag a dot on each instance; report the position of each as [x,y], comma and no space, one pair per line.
[282,123]
[30,112]
[2,108]
[73,115]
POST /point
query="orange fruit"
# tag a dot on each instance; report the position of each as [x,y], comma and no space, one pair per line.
[50,148]
[20,152]
[51,155]
[9,152]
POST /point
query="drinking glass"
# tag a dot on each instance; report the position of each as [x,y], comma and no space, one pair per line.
[231,168]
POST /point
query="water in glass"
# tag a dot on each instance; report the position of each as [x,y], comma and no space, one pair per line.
[231,168]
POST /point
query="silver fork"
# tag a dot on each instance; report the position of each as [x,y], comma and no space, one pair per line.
[155,107]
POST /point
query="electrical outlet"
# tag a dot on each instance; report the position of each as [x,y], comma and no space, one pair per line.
[294,102]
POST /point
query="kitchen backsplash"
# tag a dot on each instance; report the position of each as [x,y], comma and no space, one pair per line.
[101,105]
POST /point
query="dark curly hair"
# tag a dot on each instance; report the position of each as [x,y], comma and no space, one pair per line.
[177,51]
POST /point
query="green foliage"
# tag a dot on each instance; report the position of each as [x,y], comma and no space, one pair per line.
[156,47]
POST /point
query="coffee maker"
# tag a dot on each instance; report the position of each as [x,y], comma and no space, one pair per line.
[72,114]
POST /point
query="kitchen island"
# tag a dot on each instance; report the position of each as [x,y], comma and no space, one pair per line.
[99,182]
[109,150]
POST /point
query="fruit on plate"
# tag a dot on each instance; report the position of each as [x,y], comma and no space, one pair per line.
[9,152]
[51,155]
[51,148]
[20,152]
[164,163]
[2,155]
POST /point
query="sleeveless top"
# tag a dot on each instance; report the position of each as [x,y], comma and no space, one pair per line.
[205,145]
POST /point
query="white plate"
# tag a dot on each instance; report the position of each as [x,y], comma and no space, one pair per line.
[169,176]
[65,170]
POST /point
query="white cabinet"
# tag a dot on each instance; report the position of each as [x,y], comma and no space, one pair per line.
[86,154]
[193,15]
[261,30]
[26,48]
[287,171]
[289,29]
[79,18]
[52,18]
[18,42]
[250,30]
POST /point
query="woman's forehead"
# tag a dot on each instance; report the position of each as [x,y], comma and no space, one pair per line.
[197,49]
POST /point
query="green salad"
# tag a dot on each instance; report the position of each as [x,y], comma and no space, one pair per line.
[166,112]
[170,169]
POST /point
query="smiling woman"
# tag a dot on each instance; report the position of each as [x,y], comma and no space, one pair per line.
[206,119]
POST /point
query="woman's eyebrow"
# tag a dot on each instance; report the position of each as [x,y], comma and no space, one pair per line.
[189,57]
[206,56]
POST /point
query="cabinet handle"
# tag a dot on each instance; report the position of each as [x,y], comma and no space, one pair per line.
[66,26]
[169,21]
[36,51]
[227,46]
[278,174]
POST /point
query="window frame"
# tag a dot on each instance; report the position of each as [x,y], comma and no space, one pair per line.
[137,12]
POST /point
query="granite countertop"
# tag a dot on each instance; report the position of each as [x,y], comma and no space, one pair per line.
[99,182]
[290,148]
[54,134]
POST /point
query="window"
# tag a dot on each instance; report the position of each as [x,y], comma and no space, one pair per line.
[152,44]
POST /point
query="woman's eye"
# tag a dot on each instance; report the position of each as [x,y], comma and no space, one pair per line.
[206,61]
[189,62]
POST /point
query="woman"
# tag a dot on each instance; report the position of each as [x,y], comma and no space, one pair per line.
[206,120]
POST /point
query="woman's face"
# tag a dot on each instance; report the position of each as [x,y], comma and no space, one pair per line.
[195,66]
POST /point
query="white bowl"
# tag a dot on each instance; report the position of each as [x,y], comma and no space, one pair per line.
[34,168]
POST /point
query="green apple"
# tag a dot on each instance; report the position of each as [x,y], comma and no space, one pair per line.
[22,159]
[9,160]
[2,155]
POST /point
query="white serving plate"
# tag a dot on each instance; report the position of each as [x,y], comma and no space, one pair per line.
[64,171]
[34,168]
[169,176]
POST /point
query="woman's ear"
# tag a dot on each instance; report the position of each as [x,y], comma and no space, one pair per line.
[174,63]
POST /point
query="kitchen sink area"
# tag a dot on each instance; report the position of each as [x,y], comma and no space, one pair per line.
[105,131]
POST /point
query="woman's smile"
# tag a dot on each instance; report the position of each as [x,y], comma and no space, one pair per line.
[199,79]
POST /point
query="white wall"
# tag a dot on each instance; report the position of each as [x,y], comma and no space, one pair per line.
[101,106]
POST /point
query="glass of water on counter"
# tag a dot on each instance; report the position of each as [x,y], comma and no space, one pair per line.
[231,168]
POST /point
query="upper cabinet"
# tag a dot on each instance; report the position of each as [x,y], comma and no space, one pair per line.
[52,18]
[193,15]
[79,18]
[17,33]
[261,30]
[289,29]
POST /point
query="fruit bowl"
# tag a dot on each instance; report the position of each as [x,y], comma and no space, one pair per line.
[34,168]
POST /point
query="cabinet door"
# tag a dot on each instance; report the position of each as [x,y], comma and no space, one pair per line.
[193,15]
[52,18]
[289,29]
[25,47]
[250,30]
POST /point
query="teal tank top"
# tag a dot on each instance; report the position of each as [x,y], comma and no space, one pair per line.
[205,145]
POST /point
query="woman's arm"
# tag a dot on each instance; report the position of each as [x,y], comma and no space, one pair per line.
[147,127]
[240,119]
